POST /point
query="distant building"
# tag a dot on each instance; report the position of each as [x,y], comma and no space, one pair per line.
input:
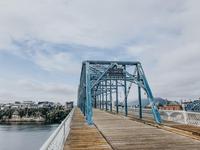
[171,107]
[1,106]
[6,106]
[17,102]
[120,104]
[58,104]
[69,105]
[15,114]
[15,107]
[186,103]
[28,104]
[45,104]
[192,106]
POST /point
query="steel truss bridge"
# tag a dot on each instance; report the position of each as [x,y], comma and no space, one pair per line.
[100,81]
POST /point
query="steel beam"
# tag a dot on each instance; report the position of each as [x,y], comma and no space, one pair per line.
[125,94]
[100,97]
[111,62]
[140,102]
[88,97]
[117,103]
[106,96]
[110,96]
[139,94]
[103,99]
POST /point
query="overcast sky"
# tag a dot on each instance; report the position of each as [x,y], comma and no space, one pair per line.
[43,42]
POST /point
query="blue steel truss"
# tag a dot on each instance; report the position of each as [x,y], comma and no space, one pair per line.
[100,79]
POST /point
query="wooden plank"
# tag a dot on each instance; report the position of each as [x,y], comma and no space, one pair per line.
[125,134]
[84,137]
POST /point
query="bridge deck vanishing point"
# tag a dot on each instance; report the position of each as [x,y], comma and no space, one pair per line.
[123,134]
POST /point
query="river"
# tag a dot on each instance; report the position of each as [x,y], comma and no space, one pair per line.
[24,137]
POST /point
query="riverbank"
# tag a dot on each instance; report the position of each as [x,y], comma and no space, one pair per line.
[23,120]
[36,115]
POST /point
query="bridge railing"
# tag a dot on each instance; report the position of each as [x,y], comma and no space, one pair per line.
[57,139]
[182,117]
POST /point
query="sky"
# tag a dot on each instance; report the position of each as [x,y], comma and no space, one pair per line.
[43,42]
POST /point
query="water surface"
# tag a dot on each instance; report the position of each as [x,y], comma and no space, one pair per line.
[24,137]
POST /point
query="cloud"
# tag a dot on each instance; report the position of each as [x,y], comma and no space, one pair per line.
[35,90]
[105,23]
[55,88]
[48,56]
[58,62]
[172,58]
[58,35]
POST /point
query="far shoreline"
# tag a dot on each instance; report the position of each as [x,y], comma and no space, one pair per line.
[26,123]
[22,122]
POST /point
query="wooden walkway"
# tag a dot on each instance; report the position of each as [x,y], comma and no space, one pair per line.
[125,134]
[84,137]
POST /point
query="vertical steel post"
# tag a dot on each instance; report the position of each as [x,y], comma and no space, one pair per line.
[100,96]
[140,101]
[103,96]
[117,109]
[98,101]
[88,96]
[95,99]
[125,93]
[110,96]
[84,107]
[139,94]
[106,95]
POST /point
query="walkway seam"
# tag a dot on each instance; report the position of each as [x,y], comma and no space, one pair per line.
[104,136]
